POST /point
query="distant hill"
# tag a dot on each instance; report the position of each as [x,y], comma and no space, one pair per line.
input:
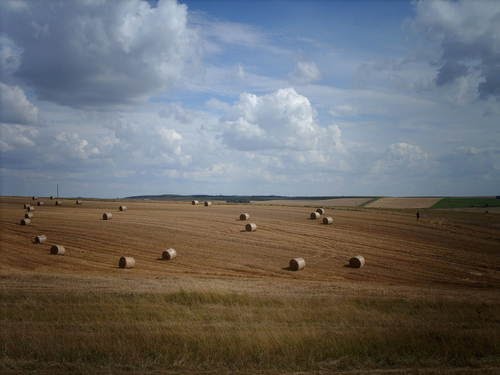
[232,198]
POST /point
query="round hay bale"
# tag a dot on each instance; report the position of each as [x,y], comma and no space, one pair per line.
[57,250]
[251,227]
[328,220]
[320,211]
[123,208]
[357,262]
[78,201]
[194,202]
[34,198]
[58,203]
[51,197]
[244,216]
[297,264]
[26,205]
[208,203]
[40,203]
[126,262]
[40,238]
[30,208]
[169,254]
[315,215]
[28,215]
[107,216]
[25,221]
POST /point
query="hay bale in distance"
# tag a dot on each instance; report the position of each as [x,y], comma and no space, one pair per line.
[51,197]
[30,208]
[328,220]
[107,216]
[25,221]
[315,215]
[126,262]
[194,202]
[78,201]
[58,203]
[297,264]
[123,208]
[357,262]
[169,254]
[40,203]
[57,250]
[320,211]
[26,205]
[40,238]
[251,227]
[208,203]
[28,215]
[244,216]
[34,198]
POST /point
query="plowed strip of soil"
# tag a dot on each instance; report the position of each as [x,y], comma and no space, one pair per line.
[403,203]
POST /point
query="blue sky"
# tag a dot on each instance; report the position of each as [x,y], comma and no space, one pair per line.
[112,99]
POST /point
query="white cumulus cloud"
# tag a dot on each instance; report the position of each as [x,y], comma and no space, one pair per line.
[283,119]
[401,158]
[13,137]
[15,108]
[306,71]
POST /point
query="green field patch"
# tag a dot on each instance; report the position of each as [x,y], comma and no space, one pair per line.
[467,203]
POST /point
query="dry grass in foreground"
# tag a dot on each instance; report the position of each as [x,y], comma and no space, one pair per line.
[87,332]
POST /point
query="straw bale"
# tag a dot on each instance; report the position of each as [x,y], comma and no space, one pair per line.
[251,227]
[126,262]
[297,264]
[357,261]
[328,220]
[57,250]
[169,254]
[315,215]
[40,238]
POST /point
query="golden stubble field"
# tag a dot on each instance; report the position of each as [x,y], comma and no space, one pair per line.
[442,269]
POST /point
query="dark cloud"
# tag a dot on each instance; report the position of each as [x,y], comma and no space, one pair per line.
[468,35]
[491,84]
[450,71]
[92,53]
[477,163]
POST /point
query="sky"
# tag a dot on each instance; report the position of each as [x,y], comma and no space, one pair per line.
[119,98]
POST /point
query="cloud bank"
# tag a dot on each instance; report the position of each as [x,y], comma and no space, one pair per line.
[467,36]
[94,53]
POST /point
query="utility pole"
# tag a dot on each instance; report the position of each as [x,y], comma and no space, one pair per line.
[57,195]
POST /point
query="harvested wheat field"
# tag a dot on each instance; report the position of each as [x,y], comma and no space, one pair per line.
[427,298]
[334,202]
[403,202]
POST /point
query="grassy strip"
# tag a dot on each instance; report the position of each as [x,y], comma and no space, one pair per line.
[467,202]
[190,331]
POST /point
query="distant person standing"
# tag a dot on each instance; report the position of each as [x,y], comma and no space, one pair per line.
[418,215]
